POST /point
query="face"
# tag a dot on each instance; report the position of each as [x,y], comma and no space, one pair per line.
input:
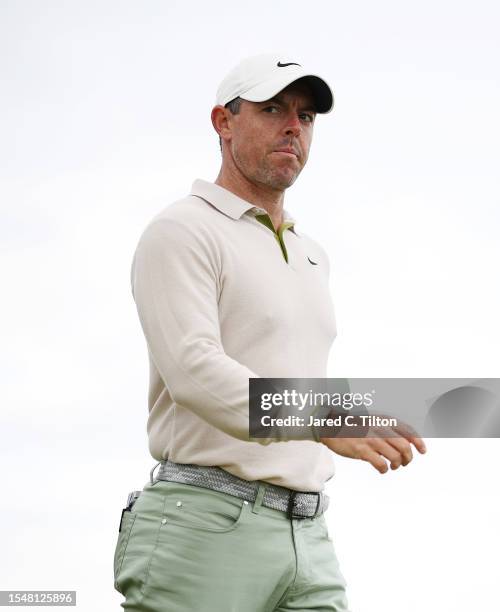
[269,141]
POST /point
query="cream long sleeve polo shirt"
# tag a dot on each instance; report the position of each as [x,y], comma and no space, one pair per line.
[222,297]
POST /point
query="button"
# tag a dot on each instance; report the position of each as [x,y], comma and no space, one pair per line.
[245,502]
[163,521]
[178,504]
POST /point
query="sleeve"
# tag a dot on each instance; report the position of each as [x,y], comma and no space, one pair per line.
[175,285]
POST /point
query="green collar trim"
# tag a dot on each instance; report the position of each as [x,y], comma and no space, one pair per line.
[265,219]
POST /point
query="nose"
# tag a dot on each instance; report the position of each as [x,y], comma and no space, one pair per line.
[293,126]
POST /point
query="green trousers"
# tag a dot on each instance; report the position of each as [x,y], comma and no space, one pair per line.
[183,548]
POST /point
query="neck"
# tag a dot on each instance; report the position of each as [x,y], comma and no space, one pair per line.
[260,195]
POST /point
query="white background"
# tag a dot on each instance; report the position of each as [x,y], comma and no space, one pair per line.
[104,120]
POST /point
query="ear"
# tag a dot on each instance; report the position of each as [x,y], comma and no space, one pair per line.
[220,121]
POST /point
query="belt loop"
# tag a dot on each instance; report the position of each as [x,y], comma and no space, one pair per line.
[258,500]
[152,472]
[321,503]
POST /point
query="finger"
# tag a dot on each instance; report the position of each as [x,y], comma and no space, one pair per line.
[389,452]
[419,444]
[411,435]
[367,454]
[403,447]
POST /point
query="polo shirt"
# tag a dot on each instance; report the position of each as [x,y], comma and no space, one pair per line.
[222,297]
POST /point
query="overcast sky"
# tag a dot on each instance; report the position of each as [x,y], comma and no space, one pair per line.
[105,119]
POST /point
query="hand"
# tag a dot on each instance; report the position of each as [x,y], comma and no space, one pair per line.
[375,449]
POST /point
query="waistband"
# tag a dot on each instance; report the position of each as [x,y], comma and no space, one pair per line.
[296,504]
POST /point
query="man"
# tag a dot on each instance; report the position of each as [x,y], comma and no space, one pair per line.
[227,289]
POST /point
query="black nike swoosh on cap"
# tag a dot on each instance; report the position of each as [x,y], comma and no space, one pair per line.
[289,64]
[314,263]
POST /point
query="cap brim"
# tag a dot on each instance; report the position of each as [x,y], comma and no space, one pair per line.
[322,93]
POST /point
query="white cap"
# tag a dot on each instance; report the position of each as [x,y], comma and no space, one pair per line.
[261,77]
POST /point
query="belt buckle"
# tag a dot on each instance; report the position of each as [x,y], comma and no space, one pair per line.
[291,505]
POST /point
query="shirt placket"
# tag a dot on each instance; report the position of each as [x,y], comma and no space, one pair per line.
[265,219]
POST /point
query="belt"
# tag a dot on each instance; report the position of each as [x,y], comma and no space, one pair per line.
[296,504]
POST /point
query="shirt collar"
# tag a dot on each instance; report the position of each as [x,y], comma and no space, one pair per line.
[228,203]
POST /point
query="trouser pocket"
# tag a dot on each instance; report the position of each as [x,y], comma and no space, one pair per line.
[125,529]
[135,547]
[203,509]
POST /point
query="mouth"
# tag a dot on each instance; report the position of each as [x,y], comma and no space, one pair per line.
[286,151]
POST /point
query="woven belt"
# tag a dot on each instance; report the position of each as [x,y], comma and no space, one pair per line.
[297,504]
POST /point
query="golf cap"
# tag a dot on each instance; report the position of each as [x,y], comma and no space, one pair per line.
[261,77]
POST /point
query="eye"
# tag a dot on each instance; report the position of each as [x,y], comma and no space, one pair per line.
[270,109]
[307,117]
